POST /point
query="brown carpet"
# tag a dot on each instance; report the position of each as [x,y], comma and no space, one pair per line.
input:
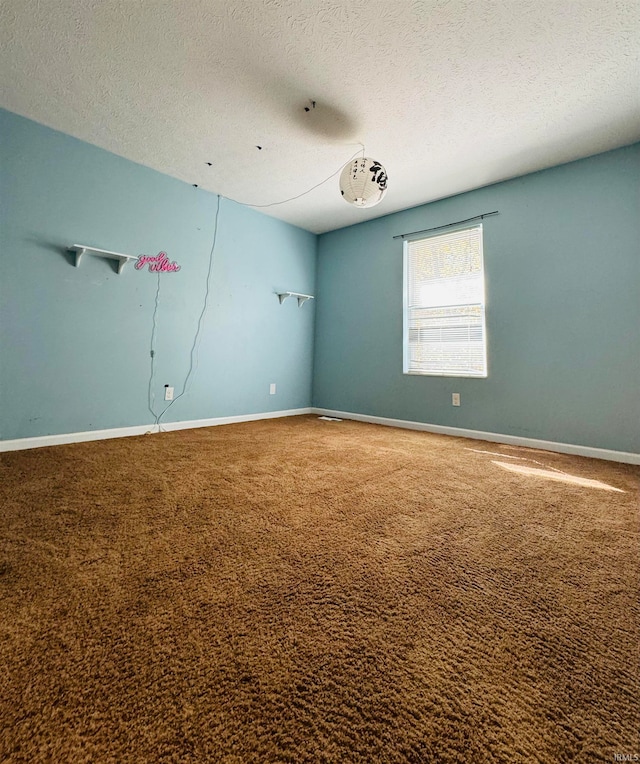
[297,590]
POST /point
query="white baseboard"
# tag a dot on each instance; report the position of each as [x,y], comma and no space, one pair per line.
[494,437]
[514,440]
[124,432]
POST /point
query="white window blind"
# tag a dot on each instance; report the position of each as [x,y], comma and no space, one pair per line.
[444,324]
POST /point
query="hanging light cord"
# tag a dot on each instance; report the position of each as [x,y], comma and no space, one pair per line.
[308,191]
[151,397]
[193,356]
[192,365]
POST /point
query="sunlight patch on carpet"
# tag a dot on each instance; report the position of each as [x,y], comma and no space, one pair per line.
[492,453]
[562,477]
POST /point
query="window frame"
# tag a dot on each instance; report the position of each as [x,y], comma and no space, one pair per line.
[406,308]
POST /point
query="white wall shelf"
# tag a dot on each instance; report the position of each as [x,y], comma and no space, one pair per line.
[302,298]
[82,249]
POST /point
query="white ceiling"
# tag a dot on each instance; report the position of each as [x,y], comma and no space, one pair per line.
[449,95]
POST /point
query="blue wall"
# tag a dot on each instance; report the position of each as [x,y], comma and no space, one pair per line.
[74,342]
[562,265]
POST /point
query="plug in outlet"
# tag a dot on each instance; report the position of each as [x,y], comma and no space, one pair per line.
[455,399]
[168,393]
[272,388]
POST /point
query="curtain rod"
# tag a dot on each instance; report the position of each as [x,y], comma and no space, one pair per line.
[447,225]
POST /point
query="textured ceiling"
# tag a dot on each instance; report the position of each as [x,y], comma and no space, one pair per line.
[449,95]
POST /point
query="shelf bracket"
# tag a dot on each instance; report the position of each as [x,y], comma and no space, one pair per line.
[302,298]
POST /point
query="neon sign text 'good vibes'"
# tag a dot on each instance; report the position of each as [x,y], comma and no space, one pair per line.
[159,263]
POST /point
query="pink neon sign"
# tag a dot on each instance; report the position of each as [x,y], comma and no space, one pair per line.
[159,263]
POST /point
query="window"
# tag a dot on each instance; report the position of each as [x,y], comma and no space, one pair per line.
[444,327]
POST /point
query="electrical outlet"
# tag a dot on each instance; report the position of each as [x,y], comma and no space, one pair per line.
[168,393]
[272,388]
[455,399]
